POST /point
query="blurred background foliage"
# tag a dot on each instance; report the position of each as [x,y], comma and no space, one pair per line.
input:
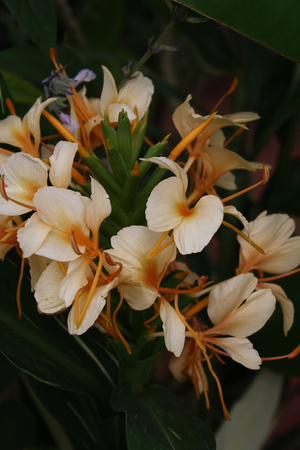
[91,33]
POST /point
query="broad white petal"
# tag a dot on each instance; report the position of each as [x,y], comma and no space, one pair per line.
[56,245]
[227,296]
[180,117]
[226,181]
[32,236]
[14,133]
[137,296]
[37,266]
[282,259]
[9,208]
[137,92]
[61,164]
[47,290]
[173,327]
[165,205]
[99,208]
[285,303]
[114,110]
[250,317]
[241,351]
[197,228]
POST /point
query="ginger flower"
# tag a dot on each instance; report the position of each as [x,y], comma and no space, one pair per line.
[273,234]
[167,208]
[17,132]
[57,289]
[136,93]
[60,229]
[139,278]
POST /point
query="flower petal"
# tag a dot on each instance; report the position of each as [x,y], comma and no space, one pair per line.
[32,235]
[137,92]
[234,212]
[241,351]
[173,327]
[166,163]
[47,289]
[99,208]
[61,164]
[74,280]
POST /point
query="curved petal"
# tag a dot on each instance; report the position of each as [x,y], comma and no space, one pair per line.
[165,205]
[241,351]
[114,110]
[137,92]
[137,297]
[33,119]
[32,236]
[227,181]
[227,296]
[173,327]
[99,208]
[285,303]
[198,227]
[166,163]
[47,290]
[109,91]
[180,117]
[56,245]
[37,266]
[14,133]
[249,318]
[9,208]
[283,259]
[74,280]
[234,212]
[61,164]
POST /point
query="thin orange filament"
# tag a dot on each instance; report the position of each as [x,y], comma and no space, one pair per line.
[19,288]
[114,318]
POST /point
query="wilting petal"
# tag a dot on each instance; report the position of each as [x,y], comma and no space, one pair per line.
[198,227]
[173,327]
[99,208]
[47,290]
[37,266]
[241,351]
[61,164]
[165,205]
[285,303]
[32,235]
[226,297]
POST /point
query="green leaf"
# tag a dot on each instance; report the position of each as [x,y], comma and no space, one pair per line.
[41,347]
[38,20]
[157,420]
[274,24]
[21,91]
[124,139]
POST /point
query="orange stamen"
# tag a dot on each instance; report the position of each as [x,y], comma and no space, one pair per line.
[156,249]
[239,131]
[207,404]
[10,106]
[230,90]
[266,175]
[291,355]
[52,57]
[244,236]
[187,325]
[277,277]
[148,141]
[19,288]
[107,326]
[196,308]
[190,137]
[114,318]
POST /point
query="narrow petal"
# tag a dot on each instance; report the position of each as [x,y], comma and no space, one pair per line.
[109,91]
[180,117]
[74,280]
[285,303]
[234,212]
[37,266]
[166,163]
[61,164]
[173,327]
[47,290]
[241,351]
[226,297]
[99,208]
[13,133]
[197,228]
[33,117]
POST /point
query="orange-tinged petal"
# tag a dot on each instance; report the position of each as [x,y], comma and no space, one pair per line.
[173,327]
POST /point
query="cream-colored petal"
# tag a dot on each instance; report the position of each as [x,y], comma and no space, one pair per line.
[33,117]
[37,266]
[285,303]
[241,351]
[99,208]
[114,110]
[9,208]
[109,91]
[94,309]
[166,163]
[173,327]
[74,280]
[250,317]
[234,212]
[32,236]
[62,209]
[241,117]
[93,141]
[137,296]
[47,290]
[13,133]
[57,246]
[180,117]
[137,92]
[196,229]
[224,161]
[226,181]
[165,205]
[61,163]
[26,172]
[283,259]
[227,296]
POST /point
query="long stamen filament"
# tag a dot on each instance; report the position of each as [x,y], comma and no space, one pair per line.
[244,236]
[157,249]
[114,318]
[226,414]
[187,325]
[263,181]
[196,308]
[277,277]
[230,90]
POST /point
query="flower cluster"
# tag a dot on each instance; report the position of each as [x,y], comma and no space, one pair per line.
[97,231]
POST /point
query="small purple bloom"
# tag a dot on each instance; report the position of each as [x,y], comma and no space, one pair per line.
[69,123]
[84,75]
